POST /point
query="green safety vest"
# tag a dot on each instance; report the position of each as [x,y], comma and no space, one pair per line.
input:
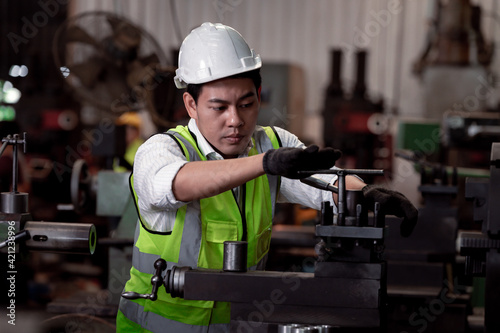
[200,229]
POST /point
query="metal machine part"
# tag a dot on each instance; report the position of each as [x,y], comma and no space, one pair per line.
[347,289]
[14,202]
[482,249]
[61,237]
[467,129]
[293,328]
[235,256]
[16,226]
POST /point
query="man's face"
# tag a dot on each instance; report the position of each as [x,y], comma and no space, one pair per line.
[226,114]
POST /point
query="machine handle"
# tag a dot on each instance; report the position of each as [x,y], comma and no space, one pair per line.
[134,295]
[156,281]
[319,183]
[20,236]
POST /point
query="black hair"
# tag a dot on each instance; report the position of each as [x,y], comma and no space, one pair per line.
[195,89]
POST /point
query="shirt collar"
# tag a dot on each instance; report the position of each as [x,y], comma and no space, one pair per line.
[205,147]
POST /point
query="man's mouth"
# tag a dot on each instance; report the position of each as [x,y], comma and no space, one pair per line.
[234,138]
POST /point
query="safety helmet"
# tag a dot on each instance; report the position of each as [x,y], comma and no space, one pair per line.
[211,52]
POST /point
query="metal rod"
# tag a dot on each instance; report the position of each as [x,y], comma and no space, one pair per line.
[14,165]
[319,183]
[2,149]
[20,236]
[341,198]
[344,171]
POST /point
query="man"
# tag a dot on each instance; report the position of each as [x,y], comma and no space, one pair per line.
[215,180]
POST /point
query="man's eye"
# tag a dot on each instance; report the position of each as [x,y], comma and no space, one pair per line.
[247,105]
[218,108]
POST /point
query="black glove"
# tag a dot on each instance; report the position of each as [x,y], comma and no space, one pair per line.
[393,203]
[287,162]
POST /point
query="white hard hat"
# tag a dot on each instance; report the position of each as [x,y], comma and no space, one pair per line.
[211,52]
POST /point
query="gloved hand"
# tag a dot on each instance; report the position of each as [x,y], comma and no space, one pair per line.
[393,203]
[287,162]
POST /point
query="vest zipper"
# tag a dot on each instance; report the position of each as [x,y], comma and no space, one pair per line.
[242,210]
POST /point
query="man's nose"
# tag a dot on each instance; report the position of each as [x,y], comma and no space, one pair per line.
[235,119]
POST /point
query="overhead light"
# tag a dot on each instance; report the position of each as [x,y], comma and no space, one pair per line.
[7,85]
[23,71]
[11,96]
[16,71]
[64,71]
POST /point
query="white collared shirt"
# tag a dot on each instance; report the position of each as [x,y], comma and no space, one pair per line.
[159,159]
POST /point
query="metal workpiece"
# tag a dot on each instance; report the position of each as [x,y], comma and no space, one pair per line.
[61,237]
[235,256]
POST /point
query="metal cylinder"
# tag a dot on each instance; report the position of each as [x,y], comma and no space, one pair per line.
[353,199]
[61,237]
[174,281]
[324,328]
[235,256]
[311,329]
[14,203]
[298,329]
[287,328]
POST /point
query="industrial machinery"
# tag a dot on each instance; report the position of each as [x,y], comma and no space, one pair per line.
[482,248]
[19,234]
[347,290]
[16,226]
[361,127]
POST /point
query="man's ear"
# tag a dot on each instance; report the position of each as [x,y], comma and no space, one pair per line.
[258,93]
[190,105]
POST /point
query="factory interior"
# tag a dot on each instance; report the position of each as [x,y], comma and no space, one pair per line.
[408,90]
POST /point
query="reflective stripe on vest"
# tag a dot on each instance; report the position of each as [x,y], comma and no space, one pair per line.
[158,324]
[197,241]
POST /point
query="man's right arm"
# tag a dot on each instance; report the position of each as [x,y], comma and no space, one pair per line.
[203,179]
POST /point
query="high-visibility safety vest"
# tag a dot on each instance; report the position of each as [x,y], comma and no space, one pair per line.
[197,238]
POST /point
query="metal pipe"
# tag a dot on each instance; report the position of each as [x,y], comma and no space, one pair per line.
[61,237]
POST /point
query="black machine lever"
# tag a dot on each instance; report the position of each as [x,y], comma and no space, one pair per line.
[319,183]
[156,281]
[20,236]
